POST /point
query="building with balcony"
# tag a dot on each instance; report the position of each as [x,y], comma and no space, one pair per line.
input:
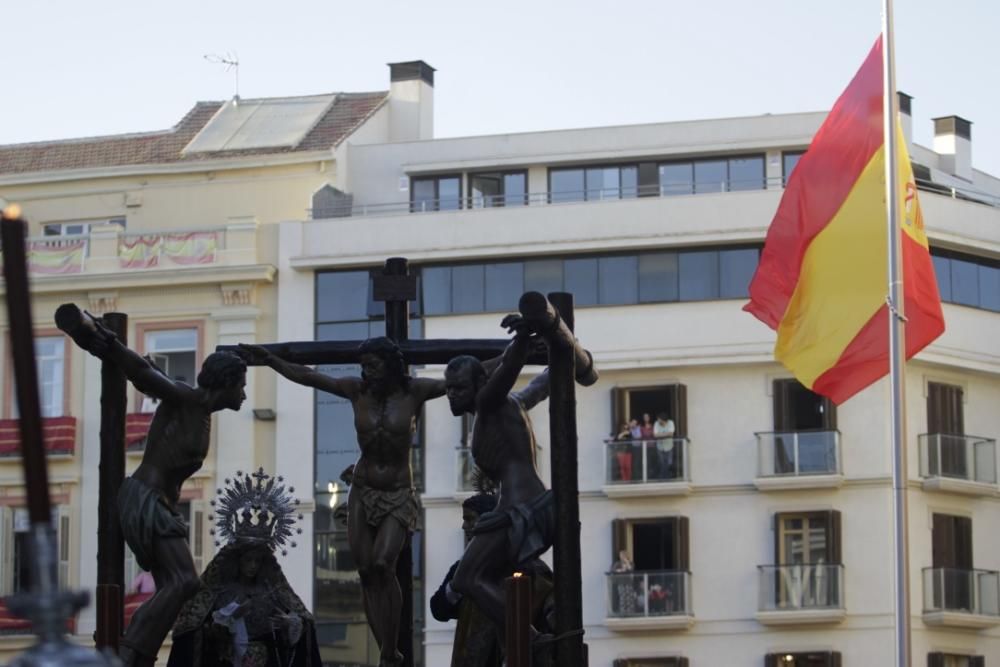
[758,530]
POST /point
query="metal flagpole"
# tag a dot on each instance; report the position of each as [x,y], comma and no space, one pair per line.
[897,348]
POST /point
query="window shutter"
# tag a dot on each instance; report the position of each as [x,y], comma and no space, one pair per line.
[682,662]
[943,541]
[619,537]
[977,661]
[829,415]
[776,527]
[834,659]
[618,409]
[63,542]
[833,538]
[782,408]
[197,534]
[683,543]
[944,409]
[935,660]
[680,411]
[934,410]
[771,660]
[955,412]
[963,542]
[6,550]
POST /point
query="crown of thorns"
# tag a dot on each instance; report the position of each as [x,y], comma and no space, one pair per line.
[255,509]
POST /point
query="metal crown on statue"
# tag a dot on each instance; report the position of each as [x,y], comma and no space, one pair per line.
[255,509]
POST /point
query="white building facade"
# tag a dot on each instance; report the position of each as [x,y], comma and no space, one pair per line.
[761,532]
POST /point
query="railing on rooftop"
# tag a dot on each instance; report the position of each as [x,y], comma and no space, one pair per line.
[480,201]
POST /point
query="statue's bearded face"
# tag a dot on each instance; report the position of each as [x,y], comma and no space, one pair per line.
[373,368]
[461,389]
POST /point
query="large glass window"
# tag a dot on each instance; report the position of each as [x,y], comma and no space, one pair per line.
[677,179]
[658,274]
[436,193]
[736,269]
[967,280]
[499,189]
[618,280]
[699,275]
[175,352]
[746,173]
[704,176]
[709,176]
[789,160]
[50,356]
[581,280]
[504,286]
[594,183]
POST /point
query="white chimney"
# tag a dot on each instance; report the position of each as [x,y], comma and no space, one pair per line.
[411,101]
[906,118]
[953,142]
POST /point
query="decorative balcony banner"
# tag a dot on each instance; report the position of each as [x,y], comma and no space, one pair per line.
[59,434]
[56,257]
[140,252]
[190,248]
[144,252]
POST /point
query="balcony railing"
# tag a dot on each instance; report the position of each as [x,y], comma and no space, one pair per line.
[801,587]
[646,460]
[649,594]
[962,457]
[598,194]
[797,453]
[975,592]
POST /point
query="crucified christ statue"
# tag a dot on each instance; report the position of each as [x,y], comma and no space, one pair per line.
[382,504]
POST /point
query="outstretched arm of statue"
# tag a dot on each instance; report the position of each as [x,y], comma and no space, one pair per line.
[536,391]
[427,388]
[259,356]
[501,381]
[90,334]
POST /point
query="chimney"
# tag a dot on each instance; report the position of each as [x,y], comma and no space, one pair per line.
[411,101]
[953,142]
[906,118]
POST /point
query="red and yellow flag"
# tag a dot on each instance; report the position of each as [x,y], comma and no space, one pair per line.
[822,278]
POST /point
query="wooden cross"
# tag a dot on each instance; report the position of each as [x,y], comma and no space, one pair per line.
[396,288]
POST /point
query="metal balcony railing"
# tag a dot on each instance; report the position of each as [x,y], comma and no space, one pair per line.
[965,591]
[646,460]
[965,457]
[796,453]
[805,587]
[649,594]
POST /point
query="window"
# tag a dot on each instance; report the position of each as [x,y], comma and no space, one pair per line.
[789,160]
[66,229]
[50,358]
[657,584]
[807,572]
[15,547]
[952,660]
[175,352]
[712,175]
[811,659]
[951,552]
[593,183]
[946,428]
[509,188]
[436,193]
[967,280]
[805,425]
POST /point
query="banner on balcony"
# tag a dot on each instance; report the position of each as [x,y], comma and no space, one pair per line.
[190,248]
[140,252]
[56,258]
[144,252]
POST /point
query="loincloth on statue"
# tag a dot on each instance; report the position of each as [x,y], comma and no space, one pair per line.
[530,527]
[400,504]
[145,514]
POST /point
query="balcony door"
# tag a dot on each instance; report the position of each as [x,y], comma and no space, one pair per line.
[812,659]
[806,545]
[951,552]
[946,426]
[659,551]
[799,410]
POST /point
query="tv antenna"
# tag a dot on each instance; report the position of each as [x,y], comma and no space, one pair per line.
[232,63]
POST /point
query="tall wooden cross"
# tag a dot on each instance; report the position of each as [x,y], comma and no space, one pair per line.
[396,288]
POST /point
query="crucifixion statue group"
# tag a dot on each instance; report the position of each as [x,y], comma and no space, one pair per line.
[383,508]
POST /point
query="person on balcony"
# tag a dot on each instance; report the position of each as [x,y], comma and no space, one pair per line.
[623,451]
[663,430]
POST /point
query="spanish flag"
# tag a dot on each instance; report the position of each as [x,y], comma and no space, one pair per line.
[822,280]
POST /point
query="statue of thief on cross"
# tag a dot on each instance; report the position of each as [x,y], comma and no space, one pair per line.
[176,447]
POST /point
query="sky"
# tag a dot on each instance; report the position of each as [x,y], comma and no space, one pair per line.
[75,69]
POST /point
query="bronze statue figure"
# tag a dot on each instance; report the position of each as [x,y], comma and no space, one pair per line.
[382,504]
[245,612]
[176,447]
[522,526]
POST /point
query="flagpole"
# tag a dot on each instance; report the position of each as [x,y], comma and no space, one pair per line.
[897,349]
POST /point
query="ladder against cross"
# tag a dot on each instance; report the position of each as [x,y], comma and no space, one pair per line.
[396,287]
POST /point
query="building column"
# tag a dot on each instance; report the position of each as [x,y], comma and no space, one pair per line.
[90,459]
[295,407]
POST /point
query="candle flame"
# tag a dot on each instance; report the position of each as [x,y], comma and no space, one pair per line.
[12,212]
